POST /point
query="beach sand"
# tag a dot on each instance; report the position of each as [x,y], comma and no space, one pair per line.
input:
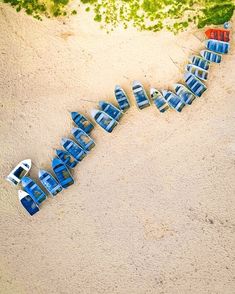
[152,209]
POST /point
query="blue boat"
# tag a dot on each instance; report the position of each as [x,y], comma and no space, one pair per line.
[111,110]
[194,84]
[211,56]
[82,122]
[200,62]
[197,71]
[28,202]
[217,46]
[173,100]
[49,182]
[104,120]
[73,148]
[121,98]
[62,173]
[141,97]
[158,100]
[66,158]
[83,139]
[186,96]
[33,190]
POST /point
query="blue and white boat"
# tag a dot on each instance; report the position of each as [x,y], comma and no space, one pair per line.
[66,158]
[197,71]
[186,96]
[19,172]
[121,98]
[62,173]
[104,120]
[28,202]
[211,56]
[141,97]
[158,100]
[200,62]
[82,122]
[83,139]
[217,46]
[173,100]
[73,148]
[194,84]
[33,190]
[49,182]
[111,110]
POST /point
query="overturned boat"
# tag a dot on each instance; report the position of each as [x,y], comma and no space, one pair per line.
[73,148]
[186,96]
[197,71]
[21,170]
[33,190]
[173,100]
[194,84]
[111,110]
[158,100]
[217,46]
[211,56]
[62,173]
[82,122]
[28,202]
[141,97]
[104,120]
[83,139]
[49,182]
[66,158]
[200,62]
[121,98]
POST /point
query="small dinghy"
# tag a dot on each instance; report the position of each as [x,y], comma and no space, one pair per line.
[49,182]
[19,172]
[194,84]
[62,173]
[121,98]
[217,46]
[66,158]
[218,34]
[33,190]
[211,56]
[111,110]
[197,71]
[73,148]
[27,202]
[104,120]
[186,96]
[158,100]
[82,122]
[83,139]
[173,100]
[200,62]
[141,97]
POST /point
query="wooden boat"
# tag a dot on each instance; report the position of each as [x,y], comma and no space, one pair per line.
[28,202]
[194,84]
[62,173]
[121,98]
[158,100]
[49,182]
[197,71]
[83,139]
[211,56]
[82,122]
[217,46]
[218,34]
[186,96]
[33,190]
[200,62]
[111,110]
[141,97]
[19,172]
[104,120]
[73,148]
[66,158]
[173,100]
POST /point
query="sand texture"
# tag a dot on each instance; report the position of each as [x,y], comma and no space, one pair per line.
[153,208]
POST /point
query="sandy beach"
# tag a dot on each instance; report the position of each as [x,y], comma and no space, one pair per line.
[152,209]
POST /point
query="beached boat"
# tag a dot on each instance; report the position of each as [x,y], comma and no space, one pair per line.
[104,120]
[200,62]
[111,110]
[217,46]
[173,100]
[82,122]
[19,172]
[186,96]
[28,202]
[83,139]
[62,173]
[211,56]
[49,182]
[121,98]
[141,97]
[218,34]
[197,71]
[73,148]
[158,100]
[194,84]
[33,190]
[66,158]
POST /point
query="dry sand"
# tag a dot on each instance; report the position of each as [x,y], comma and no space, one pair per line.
[152,210]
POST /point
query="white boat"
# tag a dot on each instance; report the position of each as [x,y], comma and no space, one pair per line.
[19,172]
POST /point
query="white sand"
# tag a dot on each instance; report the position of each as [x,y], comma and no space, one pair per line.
[152,210]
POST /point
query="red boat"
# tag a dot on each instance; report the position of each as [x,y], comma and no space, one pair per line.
[218,34]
